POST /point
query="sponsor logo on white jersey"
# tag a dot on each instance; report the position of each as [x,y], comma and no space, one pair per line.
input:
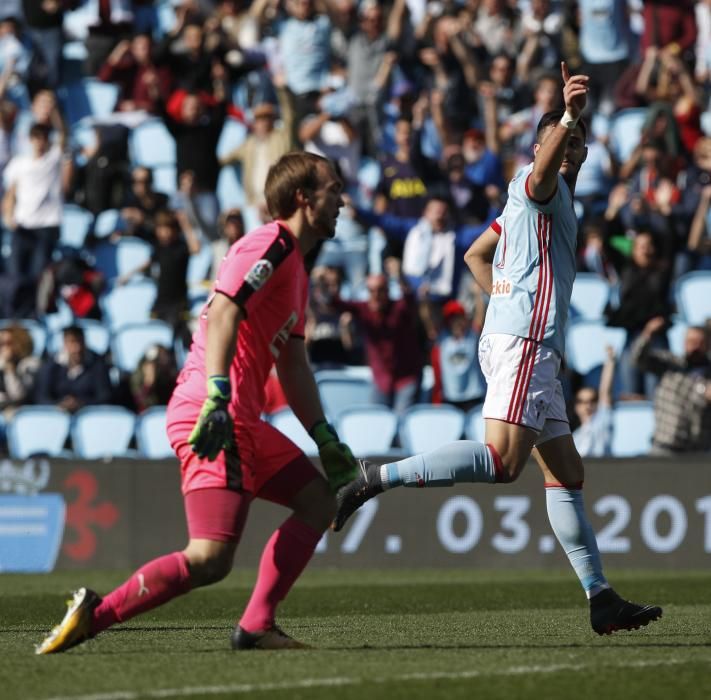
[501,288]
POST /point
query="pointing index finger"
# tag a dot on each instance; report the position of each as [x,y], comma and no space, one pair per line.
[564,71]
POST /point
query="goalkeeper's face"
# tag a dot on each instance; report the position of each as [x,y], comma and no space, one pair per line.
[325,203]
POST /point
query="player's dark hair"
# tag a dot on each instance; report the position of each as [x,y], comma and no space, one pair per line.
[292,172]
[552,118]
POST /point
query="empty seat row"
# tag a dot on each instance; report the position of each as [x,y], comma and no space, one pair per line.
[96,432]
[371,430]
[99,432]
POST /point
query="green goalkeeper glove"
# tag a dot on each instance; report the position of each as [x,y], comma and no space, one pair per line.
[336,457]
[214,430]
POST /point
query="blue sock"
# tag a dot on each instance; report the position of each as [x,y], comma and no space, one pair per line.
[566,513]
[462,461]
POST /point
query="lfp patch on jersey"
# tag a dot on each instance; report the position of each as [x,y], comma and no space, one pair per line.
[259,273]
[501,288]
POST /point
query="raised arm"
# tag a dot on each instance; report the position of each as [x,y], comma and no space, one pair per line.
[606,378]
[543,180]
[480,257]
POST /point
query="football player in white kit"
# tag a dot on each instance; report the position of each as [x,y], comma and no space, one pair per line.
[525,261]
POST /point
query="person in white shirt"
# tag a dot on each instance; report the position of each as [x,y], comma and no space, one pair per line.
[32,204]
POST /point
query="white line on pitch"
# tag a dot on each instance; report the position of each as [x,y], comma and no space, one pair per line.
[345,680]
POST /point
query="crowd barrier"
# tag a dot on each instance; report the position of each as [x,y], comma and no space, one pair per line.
[68,514]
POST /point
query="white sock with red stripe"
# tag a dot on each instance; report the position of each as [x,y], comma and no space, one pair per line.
[462,461]
[566,513]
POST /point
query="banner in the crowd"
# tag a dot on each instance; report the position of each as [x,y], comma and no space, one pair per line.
[117,514]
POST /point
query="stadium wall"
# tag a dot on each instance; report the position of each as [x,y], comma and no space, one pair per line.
[65,514]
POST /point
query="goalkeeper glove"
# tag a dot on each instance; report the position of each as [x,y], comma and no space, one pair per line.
[214,430]
[336,457]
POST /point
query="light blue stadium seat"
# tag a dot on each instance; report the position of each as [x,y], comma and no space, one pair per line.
[99,432]
[200,264]
[626,131]
[368,429]
[130,343]
[676,335]
[116,259]
[693,297]
[287,423]
[87,97]
[586,341]
[339,391]
[151,437]
[107,222]
[37,332]
[128,304]
[632,428]
[36,430]
[75,225]
[232,135]
[102,96]
[424,427]
[164,179]
[151,144]
[229,189]
[590,296]
[74,51]
[96,336]
[475,425]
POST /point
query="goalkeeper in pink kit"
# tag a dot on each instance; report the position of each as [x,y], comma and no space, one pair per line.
[228,456]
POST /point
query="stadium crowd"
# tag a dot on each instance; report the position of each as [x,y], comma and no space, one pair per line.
[427,109]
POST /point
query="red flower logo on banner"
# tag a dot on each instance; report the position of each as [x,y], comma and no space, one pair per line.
[84,515]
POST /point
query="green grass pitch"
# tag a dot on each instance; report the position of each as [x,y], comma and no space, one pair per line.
[377,634]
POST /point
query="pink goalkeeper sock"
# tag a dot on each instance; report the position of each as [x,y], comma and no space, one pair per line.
[284,558]
[153,584]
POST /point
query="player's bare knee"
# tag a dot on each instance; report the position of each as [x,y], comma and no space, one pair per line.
[211,569]
[208,564]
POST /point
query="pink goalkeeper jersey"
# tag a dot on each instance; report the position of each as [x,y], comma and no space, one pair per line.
[264,273]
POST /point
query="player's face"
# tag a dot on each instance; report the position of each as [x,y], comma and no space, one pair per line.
[325,203]
[575,153]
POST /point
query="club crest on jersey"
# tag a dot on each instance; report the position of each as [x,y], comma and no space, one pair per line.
[258,274]
[501,288]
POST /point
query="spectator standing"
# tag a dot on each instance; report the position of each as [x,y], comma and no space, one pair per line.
[32,205]
[402,190]
[682,402]
[196,124]
[605,46]
[367,51]
[44,19]
[392,342]
[75,377]
[112,21]
[175,243]
[265,144]
[644,294]
[142,84]
[593,408]
[305,52]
